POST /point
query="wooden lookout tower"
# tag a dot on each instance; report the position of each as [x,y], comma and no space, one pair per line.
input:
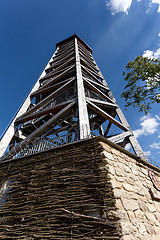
[69,102]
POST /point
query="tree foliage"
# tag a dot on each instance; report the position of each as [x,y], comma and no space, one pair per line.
[143,83]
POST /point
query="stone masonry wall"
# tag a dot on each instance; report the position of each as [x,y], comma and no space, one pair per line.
[139,213]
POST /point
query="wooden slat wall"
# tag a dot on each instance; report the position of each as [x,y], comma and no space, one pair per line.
[59,194]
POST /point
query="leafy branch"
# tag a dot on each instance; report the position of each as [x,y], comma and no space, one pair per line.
[143,83]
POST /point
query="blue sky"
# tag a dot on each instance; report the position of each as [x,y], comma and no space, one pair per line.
[116,30]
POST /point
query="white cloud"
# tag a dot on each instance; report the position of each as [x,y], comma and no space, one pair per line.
[148,153]
[148,126]
[151,54]
[128,147]
[143,118]
[155,145]
[117,6]
[156,2]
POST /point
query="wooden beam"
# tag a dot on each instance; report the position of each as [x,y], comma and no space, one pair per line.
[48,89]
[55,79]
[92,73]
[97,83]
[62,65]
[44,101]
[103,103]
[136,147]
[106,116]
[39,131]
[86,59]
[98,91]
[109,126]
[55,73]
[119,137]
[65,48]
[58,63]
[88,65]
[62,55]
[43,112]
[84,127]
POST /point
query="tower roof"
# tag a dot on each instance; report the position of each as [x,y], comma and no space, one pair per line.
[72,38]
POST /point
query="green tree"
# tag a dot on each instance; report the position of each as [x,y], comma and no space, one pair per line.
[143,83]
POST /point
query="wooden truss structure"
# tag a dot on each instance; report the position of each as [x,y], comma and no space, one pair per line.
[72,99]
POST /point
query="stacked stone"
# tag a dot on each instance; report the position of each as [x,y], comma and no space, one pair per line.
[139,213]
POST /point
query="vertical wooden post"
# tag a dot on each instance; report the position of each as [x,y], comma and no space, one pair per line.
[84,127]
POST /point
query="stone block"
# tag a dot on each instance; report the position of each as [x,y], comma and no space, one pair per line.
[111,170]
[135,171]
[141,228]
[157,215]
[120,179]
[116,184]
[144,171]
[118,193]
[107,155]
[150,229]
[119,172]
[156,237]
[131,216]
[139,214]
[151,208]
[115,151]
[122,214]
[128,228]
[145,236]
[119,204]
[143,206]
[130,180]
[151,218]
[130,205]
[129,237]
[128,187]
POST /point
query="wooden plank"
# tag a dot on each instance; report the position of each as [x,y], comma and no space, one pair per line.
[82,50]
[97,83]
[109,125]
[61,55]
[62,65]
[54,73]
[43,112]
[103,103]
[86,59]
[88,65]
[91,72]
[119,137]
[55,79]
[106,116]
[65,48]
[44,101]
[40,130]
[98,91]
[57,63]
[55,86]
